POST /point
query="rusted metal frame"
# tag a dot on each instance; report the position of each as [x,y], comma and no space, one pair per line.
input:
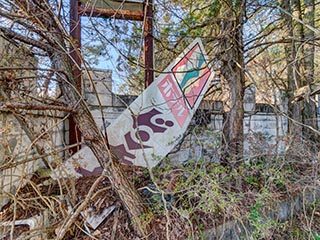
[76,11]
[146,16]
[111,13]
[148,42]
[75,32]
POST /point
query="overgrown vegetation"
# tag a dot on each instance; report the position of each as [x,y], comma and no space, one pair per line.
[188,199]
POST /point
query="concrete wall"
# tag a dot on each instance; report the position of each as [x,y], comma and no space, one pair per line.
[279,212]
[17,147]
[264,135]
[21,132]
[109,105]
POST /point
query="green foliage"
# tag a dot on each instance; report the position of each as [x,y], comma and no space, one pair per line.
[248,193]
[261,225]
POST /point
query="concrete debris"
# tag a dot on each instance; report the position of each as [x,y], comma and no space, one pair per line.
[94,219]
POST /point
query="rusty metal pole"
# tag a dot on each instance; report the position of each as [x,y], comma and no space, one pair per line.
[75,33]
[148,43]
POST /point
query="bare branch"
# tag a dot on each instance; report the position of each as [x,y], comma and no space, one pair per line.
[14,35]
[29,106]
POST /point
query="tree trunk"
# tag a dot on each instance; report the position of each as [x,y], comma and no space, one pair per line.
[98,143]
[139,213]
[293,72]
[300,67]
[310,111]
[232,72]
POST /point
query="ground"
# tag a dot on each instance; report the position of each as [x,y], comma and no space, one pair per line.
[198,197]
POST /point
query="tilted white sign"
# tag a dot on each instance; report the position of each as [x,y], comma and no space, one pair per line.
[155,122]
